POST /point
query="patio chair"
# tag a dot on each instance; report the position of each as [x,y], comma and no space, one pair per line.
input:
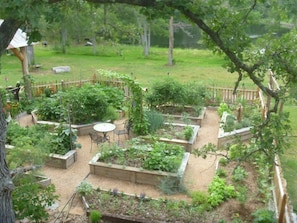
[95,138]
[123,129]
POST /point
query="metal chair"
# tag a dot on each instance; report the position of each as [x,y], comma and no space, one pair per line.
[124,130]
[95,138]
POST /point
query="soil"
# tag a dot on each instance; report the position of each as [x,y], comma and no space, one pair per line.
[198,176]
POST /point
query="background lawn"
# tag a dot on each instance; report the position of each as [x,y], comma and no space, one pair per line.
[190,65]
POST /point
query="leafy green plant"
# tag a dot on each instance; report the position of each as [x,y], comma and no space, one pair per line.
[188,132]
[199,198]
[241,194]
[219,191]
[264,216]
[221,173]
[223,108]
[95,216]
[164,157]
[223,162]
[63,140]
[239,174]
[84,188]
[155,120]
[30,200]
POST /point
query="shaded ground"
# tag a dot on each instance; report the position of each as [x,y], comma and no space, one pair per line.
[198,175]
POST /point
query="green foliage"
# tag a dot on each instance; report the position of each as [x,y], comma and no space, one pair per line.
[199,198]
[78,104]
[164,157]
[171,92]
[156,156]
[134,103]
[30,200]
[169,185]
[223,162]
[264,216]
[63,140]
[188,132]
[84,188]
[219,191]
[221,173]
[165,92]
[223,108]
[95,216]
[241,194]
[239,174]
[155,120]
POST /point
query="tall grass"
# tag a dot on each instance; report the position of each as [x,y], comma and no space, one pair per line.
[190,65]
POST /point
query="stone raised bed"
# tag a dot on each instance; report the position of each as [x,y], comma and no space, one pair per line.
[225,138]
[62,161]
[188,145]
[195,120]
[133,174]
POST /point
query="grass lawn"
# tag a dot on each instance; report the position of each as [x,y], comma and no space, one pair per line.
[190,65]
[289,159]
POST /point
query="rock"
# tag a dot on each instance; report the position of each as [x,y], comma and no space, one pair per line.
[61,69]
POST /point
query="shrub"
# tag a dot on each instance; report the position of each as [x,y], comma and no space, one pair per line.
[155,120]
[168,91]
[30,200]
[95,216]
[84,188]
[264,216]
[82,105]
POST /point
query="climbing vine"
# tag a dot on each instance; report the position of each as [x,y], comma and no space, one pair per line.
[134,100]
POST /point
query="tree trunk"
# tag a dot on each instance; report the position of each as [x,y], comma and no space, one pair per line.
[171,42]
[7,31]
[6,184]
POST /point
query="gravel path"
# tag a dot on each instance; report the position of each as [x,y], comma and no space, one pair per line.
[199,172]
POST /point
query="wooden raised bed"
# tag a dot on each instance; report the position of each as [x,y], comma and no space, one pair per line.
[133,174]
[225,138]
[82,130]
[195,120]
[62,161]
[188,145]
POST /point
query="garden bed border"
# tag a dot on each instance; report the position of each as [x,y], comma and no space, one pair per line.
[133,174]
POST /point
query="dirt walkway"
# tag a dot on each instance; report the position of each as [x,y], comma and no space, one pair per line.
[199,172]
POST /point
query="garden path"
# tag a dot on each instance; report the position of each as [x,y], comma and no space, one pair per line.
[199,172]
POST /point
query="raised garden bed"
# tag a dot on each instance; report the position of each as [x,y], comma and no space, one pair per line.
[187,144]
[117,206]
[62,161]
[224,138]
[82,130]
[133,174]
[169,112]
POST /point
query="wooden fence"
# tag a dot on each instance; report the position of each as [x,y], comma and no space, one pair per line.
[283,209]
[217,94]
